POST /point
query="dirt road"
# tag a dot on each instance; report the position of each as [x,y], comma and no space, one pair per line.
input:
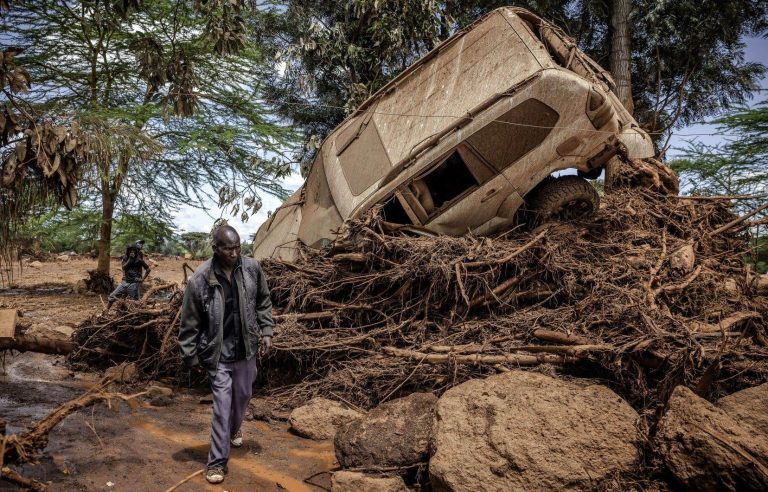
[116,449]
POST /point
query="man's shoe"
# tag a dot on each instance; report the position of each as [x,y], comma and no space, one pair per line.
[237,439]
[215,474]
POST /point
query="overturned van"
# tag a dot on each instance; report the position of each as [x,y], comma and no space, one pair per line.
[464,137]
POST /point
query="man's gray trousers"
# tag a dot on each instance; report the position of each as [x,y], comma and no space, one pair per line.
[126,289]
[232,388]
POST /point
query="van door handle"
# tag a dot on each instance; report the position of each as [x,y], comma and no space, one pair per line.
[488,195]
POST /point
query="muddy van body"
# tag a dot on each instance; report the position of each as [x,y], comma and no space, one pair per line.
[458,141]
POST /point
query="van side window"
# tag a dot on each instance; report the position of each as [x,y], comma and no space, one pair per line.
[515,133]
[362,156]
[394,212]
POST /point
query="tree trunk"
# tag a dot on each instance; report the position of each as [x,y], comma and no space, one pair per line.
[621,51]
[105,230]
[36,344]
[621,69]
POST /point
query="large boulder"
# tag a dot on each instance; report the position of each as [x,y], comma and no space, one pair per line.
[749,406]
[395,433]
[526,431]
[345,481]
[707,450]
[320,418]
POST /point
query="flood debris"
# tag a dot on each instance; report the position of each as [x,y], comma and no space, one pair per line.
[378,314]
[141,334]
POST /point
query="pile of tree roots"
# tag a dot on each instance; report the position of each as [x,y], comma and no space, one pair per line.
[653,292]
[142,332]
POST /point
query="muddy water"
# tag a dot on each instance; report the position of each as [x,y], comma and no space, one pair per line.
[151,448]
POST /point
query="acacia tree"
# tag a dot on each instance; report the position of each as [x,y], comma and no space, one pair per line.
[151,79]
[737,166]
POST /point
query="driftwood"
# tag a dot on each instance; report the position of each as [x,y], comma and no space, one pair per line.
[36,344]
[24,447]
[10,475]
[726,324]
[607,288]
[513,359]
[738,220]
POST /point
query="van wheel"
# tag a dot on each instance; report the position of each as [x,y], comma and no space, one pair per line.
[565,198]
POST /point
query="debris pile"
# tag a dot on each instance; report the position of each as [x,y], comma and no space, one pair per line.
[140,332]
[652,293]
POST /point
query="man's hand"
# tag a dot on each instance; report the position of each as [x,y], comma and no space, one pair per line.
[266,346]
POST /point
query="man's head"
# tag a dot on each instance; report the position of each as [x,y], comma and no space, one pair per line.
[226,245]
[131,251]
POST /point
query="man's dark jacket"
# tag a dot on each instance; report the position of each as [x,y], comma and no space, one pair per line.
[202,313]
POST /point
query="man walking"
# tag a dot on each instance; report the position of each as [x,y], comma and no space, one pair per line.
[133,263]
[225,313]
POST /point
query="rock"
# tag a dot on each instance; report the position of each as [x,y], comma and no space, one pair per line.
[36,264]
[345,481]
[707,450]
[187,256]
[395,433]
[159,390]
[160,401]
[526,431]
[732,286]
[320,418]
[683,259]
[262,409]
[64,257]
[748,407]
[81,287]
[123,373]
[62,332]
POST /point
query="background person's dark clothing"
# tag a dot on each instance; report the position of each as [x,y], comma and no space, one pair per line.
[132,268]
[133,274]
[232,346]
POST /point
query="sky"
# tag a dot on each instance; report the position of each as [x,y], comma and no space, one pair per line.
[190,219]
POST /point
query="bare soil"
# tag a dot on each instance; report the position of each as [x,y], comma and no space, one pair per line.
[150,448]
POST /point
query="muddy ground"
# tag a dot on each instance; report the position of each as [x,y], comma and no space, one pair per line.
[116,449]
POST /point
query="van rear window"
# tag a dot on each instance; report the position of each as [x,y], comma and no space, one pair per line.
[515,133]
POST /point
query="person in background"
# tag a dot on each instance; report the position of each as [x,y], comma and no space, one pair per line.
[226,322]
[135,271]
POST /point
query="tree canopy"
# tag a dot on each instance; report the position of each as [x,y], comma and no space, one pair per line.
[169,87]
[736,166]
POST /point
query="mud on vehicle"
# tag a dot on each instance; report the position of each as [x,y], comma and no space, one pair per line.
[464,137]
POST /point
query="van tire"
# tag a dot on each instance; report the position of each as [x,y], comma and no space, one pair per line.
[564,198]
